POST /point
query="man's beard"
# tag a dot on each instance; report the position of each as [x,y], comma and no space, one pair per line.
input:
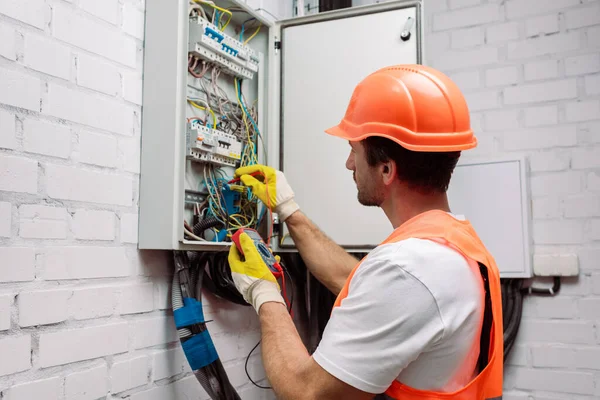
[370,197]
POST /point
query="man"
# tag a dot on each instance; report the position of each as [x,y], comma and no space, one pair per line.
[420,316]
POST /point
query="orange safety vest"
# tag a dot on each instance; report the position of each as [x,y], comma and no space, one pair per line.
[441,227]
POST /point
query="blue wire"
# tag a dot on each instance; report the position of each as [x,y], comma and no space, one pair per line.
[245,109]
[243,28]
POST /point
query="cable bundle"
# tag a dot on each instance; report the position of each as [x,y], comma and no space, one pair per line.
[191,328]
[194,271]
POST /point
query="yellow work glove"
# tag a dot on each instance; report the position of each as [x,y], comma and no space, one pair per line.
[251,276]
[271,187]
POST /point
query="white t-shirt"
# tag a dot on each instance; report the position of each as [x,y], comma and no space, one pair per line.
[413,313]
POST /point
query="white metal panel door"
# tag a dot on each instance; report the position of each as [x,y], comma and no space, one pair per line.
[322,62]
[494,196]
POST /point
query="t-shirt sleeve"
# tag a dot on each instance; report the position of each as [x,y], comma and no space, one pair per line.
[387,320]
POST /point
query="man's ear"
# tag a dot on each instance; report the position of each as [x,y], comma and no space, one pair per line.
[388,172]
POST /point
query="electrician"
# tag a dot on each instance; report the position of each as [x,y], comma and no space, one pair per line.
[420,317]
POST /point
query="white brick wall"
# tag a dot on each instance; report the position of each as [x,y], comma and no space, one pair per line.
[539,70]
[68,346]
[95,302]
[44,388]
[18,264]
[94,73]
[8,138]
[42,222]
[18,174]
[5,219]
[83,313]
[94,225]
[16,354]
[83,262]
[20,89]
[88,384]
[541,25]
[5,309]
[137,299]
[75,183]
[42,307]
[129,373]
[7,46]
[153,331]
[45,138]
[544,57]
[98,149]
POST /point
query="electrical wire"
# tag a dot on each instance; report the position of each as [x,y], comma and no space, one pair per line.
[240,121]
[253,35]
[190,234]
[196,105]
[197,7]
[223,10]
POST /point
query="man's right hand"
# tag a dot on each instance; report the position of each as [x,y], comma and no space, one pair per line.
[271,187]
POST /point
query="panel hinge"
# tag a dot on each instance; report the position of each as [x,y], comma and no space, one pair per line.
[277,46]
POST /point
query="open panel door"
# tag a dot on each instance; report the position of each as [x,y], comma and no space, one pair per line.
[322,58]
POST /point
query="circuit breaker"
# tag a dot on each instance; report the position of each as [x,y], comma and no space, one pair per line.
[225,87]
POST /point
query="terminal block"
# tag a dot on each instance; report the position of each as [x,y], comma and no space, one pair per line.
[208,43]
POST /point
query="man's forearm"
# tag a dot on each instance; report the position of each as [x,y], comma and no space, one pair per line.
[284,354]
[327,261]
[292,372]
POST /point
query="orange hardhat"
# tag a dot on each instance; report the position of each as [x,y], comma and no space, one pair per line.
[416,106]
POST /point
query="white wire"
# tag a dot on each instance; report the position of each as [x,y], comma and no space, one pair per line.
[197,7]
[190,234]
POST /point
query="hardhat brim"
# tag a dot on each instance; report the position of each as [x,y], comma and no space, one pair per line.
[355,135]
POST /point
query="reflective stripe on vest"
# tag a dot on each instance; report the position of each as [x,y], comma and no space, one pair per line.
[459,235]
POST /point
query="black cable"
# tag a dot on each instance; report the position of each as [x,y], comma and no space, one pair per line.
[246,369]
[257,344]
[213,376]
[219,280]
[204,224]
[512,328]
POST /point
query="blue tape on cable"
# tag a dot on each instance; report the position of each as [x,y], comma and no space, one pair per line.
[190,314]
[200,350]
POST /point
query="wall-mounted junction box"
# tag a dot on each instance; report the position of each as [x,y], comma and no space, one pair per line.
[297,77]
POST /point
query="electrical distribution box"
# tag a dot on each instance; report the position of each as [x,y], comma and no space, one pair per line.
[224,87]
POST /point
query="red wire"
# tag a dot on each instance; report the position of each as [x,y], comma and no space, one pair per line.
[270,212]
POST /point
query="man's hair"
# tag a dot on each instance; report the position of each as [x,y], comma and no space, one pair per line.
[426,172]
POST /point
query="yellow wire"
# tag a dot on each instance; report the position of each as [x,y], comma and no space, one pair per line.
[198,106]
[217,8]
[254,34]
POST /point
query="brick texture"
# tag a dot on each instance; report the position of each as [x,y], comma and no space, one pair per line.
[46,138]
[45,388]
[69,346]
[42,307]
[83,314]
